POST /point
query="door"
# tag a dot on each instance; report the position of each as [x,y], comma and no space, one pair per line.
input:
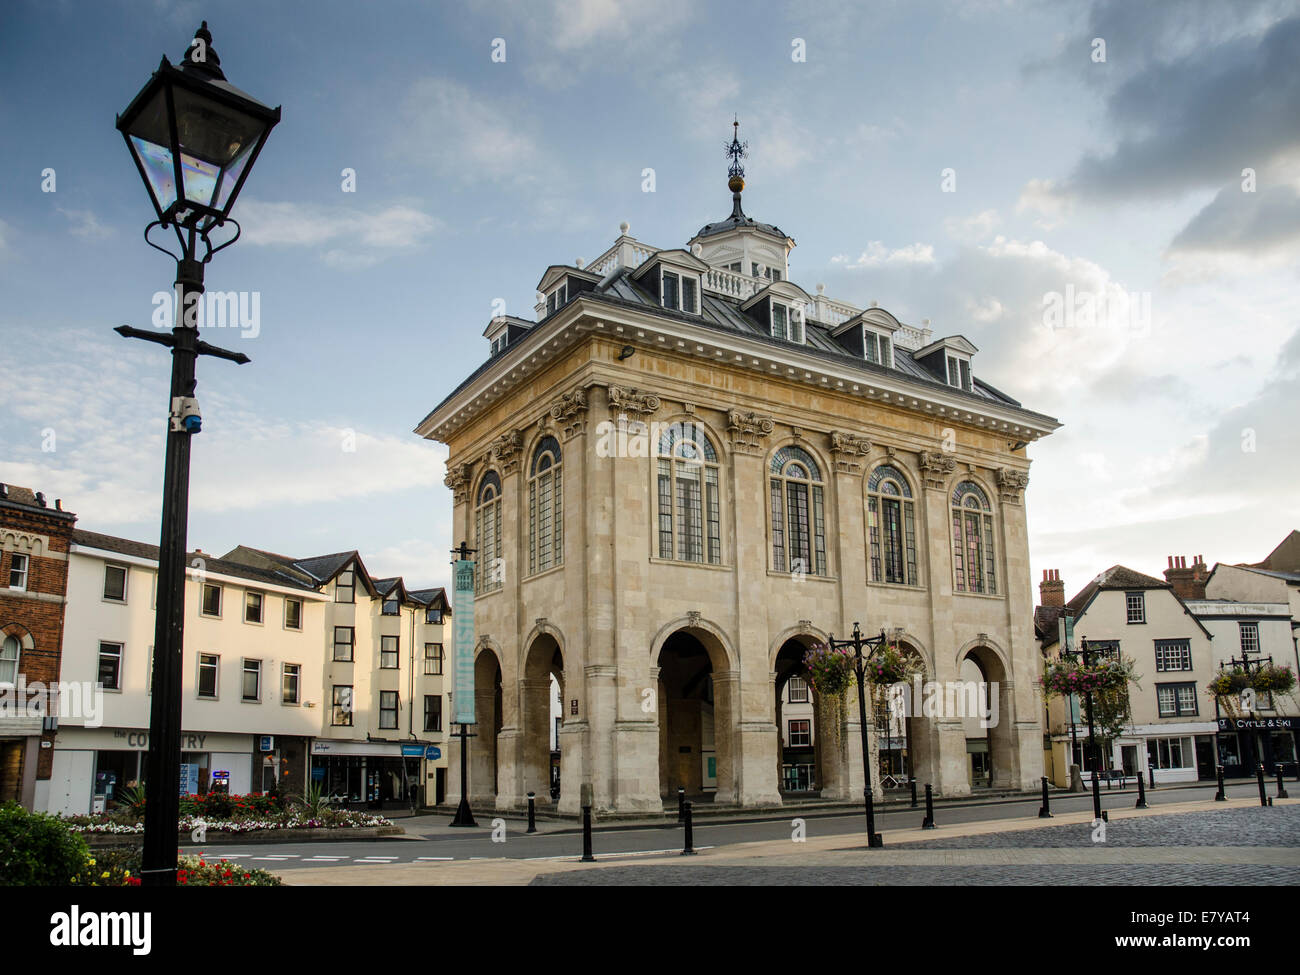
[1205,758]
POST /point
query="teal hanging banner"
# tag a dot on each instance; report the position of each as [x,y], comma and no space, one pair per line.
[462,635]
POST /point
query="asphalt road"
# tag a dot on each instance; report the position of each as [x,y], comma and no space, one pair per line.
[430,839]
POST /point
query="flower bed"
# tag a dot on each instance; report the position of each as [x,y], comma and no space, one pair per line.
[114,824]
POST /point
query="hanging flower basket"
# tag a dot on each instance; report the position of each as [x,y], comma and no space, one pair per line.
[1274,679]
[829,671]
[889,666]
[1072,677]
[1228,682]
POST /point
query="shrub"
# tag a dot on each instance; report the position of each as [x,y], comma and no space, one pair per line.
[37,849]
[195,871]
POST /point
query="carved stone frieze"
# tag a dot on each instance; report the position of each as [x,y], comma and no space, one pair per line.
[505,450]
[457,480]
[848,450]
[569,412]
[1011,484]
[632,402]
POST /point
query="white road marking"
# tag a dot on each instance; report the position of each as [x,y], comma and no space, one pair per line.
[435,858]
[606,856]
[286,856]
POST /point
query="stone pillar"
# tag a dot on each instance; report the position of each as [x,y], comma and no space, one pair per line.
[573,740]
[483,751]
[726,701]
[534,767]
[954,762]
[602,710]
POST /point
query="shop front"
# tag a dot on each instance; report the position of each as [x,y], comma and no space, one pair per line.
[94,767]
[369,775]
[1245,743]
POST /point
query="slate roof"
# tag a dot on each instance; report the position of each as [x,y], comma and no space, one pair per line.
[736,220]
[220,566]
[1117,577]
[721,314]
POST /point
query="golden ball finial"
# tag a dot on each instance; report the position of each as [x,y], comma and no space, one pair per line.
[736,184]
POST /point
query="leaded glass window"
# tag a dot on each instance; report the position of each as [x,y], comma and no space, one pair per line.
[891,527]
[487,532]
[798,512]
[973,553]
[545,508]
[688,490]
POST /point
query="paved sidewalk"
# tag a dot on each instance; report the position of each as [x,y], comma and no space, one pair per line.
[839,852]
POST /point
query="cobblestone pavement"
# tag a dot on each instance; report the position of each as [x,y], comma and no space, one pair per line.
[913,876]
[1257,826]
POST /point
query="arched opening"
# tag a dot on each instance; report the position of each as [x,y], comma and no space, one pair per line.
[484,781]
[539,749]
[904,729]
[694,693]
[801,763]
[988,749]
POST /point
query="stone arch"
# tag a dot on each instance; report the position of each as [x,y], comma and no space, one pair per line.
[720,443]
[698,691]
[911,743]
[484,747]
[543,661]
[23,543]
[814,766]
[21,633]
[991,760]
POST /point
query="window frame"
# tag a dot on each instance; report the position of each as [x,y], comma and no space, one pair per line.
[394,710]
[1179,711]
[393,601]
[99,664]
[350,587]
[1141,606]
[215,667]
[805,733]
[686,455]
[435,659]
[297,602]
[437,723]
[249,595]
[203,600]
[395,652]
[879,535]
[349,705]
[802,684]
[351,644]
[17,660]
[285,674]
[680,279]
[244,671]
[429,616]
[126,573]
[878,348]
[783,500]
[986,548]
[488,511]
[546,507]
[25,572]
[1244,627]
[1163,649]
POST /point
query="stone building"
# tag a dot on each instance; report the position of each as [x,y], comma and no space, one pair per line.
[687,471]
[34,541]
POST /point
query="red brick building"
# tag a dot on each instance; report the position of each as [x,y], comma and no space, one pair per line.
[34,541]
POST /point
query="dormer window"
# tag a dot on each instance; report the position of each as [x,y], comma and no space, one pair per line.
[680,292]
[499,344]
[959,372]
[556,299]
[787,322]
[878,348]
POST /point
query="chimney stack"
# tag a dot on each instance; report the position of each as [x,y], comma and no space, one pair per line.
[1188,581]
[1052,590]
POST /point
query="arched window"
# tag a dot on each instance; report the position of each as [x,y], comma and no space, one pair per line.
[891,527]
[9,660]
[690,519]
[545,511]
[798,513]
[487,532]
[973,562]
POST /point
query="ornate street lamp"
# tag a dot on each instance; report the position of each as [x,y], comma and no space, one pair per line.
[872,645]
[194,137]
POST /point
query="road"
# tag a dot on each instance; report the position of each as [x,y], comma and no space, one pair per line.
[429,839]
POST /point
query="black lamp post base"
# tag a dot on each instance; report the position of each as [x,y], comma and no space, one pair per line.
[463,815]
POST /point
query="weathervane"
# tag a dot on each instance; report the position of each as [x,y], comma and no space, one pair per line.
[736,151]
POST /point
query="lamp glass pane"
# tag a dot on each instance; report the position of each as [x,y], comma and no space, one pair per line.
[200,179]
[213,131]
[230,178]
[156,161]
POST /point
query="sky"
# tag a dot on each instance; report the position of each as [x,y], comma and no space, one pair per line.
[957,161]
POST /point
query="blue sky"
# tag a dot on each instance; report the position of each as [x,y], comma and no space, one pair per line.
[1123,175]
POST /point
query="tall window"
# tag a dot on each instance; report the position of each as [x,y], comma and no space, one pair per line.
[291,679]
[341,708]
[891,527]
[798,512]
[433,712]
[110,666]
[293,614]
[345,587]
[387,709]
[690,522]
[252,607]
[973,553]
[388,652]
[18,571]
[252,686]
[432,658]
[9,660]
[487,529]
[545,508]
[209,667]
[343,640]
[1249,637]
[211,600]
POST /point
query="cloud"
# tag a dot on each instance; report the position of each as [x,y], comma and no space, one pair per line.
[85,224]
[1242,231]
[973,229]
[1042,197]
[878,255]
[84,427]
[370,236]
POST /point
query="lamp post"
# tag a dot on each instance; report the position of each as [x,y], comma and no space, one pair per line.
[193,137]
[1247,666]
[872,644]
[1088,655]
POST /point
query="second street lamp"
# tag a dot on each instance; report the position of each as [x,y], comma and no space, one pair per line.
[857,643]
[193,137]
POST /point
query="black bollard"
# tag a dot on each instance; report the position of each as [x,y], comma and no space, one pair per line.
[1096,799]
[1259,777]
[1046,811]
[681,803]
[1219,796]
[1296,766]
[1151,777]
[1142,794]
[912,783]
[1281,785]
[689,849]
[928,822]
[532,812]
[586,836]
